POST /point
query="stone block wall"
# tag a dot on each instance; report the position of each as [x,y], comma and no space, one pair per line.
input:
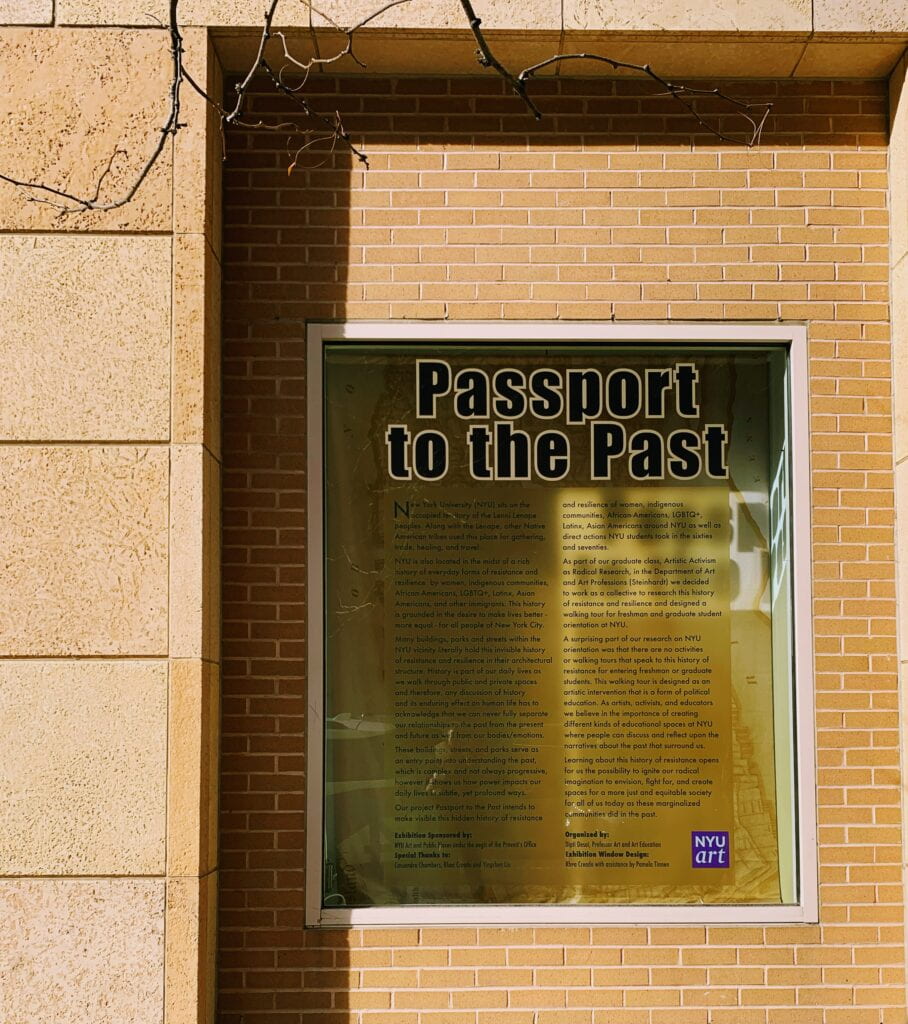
[109,449]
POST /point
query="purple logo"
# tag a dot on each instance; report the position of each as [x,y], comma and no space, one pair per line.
[710,850]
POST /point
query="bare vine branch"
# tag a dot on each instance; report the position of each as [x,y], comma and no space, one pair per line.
[319,128]
[69,202]
[347,51]
[338,132]
[488,59]
[754,113]
[243,87]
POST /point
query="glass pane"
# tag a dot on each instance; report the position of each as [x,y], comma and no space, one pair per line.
[557,610]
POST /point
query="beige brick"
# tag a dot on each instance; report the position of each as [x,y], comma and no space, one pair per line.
[652,997]
[447,978]
[391,937]
[738,1015]
[564,1017]
[594,955]
[504,978]
[480,999]
[478,957]
[383,1017]
[369,958]
[537,997]
[393,979]
[506,1017]
[650,955]
[594,997]
[767,996]
[709,955]
[410,957]
[710,997]
[795,1016]
[565,977]
[417,999]
[678,976]
[535,956]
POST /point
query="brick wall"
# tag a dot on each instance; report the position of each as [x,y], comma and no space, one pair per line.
[610,208]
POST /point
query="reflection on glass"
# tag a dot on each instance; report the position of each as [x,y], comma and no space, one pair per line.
[558,690]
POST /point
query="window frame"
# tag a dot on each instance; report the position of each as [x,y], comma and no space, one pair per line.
[791,336]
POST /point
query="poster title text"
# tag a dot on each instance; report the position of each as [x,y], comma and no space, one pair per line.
[601,403]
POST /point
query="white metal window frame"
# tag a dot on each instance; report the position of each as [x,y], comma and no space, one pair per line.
[791,336]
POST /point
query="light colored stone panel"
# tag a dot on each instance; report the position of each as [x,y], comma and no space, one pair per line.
[190,952]
[112,12]
[848,59]
[688,58]
[121,79]
[393,52]
[192,780]
[898,162]
[397,52]
[860,16]
[85,345]
[83,531]
[82,952]
[443,14]
[427,14]
[196,343]
[199,147]
[211,644]
[679,57]
[26,12]
[685,59]
[82,777]
[688,15]
[900,370]
[193,605]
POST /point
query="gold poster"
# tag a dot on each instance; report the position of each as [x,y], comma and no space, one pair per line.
[543,685]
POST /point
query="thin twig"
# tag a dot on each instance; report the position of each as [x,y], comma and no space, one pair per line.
[336,125]
[319,61]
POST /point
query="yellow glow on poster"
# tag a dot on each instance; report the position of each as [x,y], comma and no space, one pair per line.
[543,692]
